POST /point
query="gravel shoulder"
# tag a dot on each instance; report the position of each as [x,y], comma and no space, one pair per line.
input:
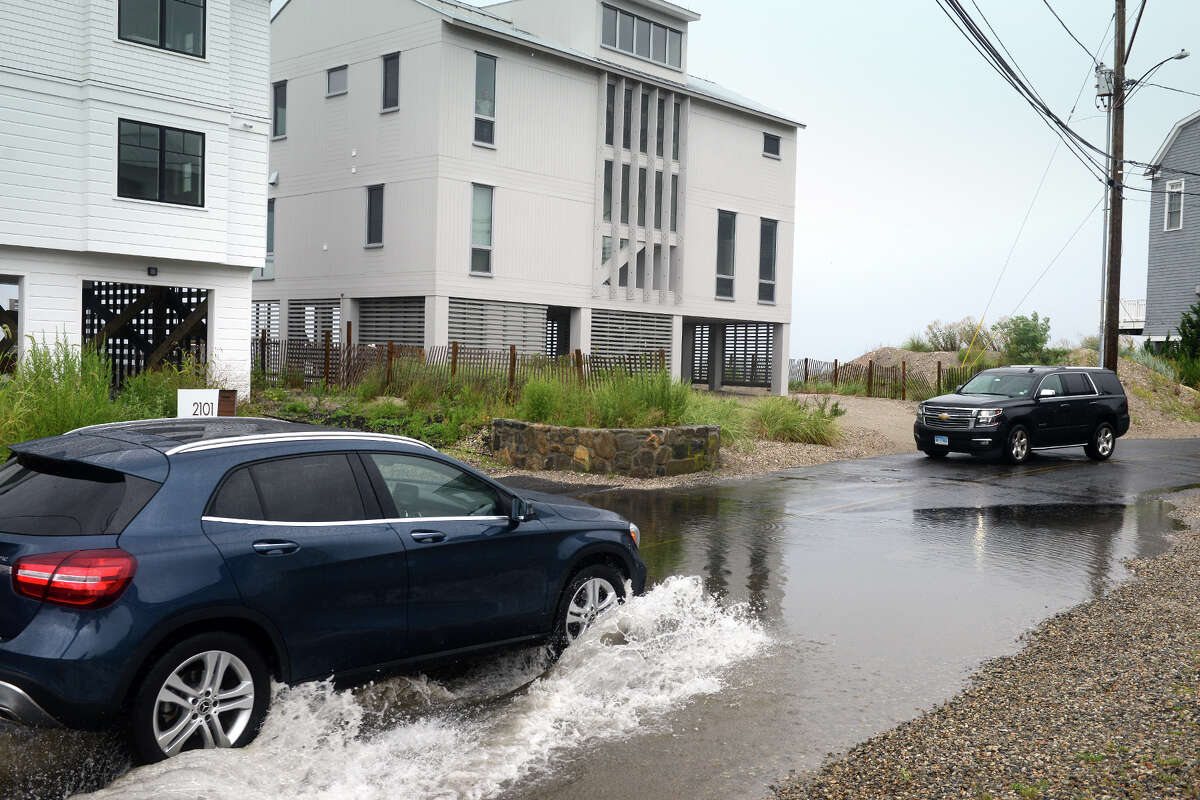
[1103,702]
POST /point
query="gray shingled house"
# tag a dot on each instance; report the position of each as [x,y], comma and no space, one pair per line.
[1173,271]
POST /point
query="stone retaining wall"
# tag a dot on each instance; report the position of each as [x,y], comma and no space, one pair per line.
[637,452]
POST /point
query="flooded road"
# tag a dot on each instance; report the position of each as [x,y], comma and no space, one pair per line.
[792,615]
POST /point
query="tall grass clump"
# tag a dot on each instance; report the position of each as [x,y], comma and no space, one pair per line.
[151,394]
[1153,361]
[783,419]
[727,413]
[55,388]
[916,343]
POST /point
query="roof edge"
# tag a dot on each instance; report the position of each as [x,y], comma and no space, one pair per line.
[1170,140]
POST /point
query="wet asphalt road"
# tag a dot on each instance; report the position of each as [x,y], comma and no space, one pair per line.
[885,582]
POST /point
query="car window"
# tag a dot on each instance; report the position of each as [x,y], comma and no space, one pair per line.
[1107,383]
[45,497]
[999,383]
[1052,382]
[237,498]
[316,488]
[422,487]
[1077,383]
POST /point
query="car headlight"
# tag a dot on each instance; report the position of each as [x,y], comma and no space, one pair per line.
[988,416]
[920,409]
[635,533]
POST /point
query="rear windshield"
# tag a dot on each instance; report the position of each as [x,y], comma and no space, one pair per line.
[1107,382]
[43,497]
[1000,383]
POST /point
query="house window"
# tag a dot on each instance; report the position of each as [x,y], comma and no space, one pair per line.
[481,229]
[165,165]
[641,37]
[1174,211]
[610,109]
[391,82]
[644,138]
[662,123]
[374,216]
[674,203]
[485,99]
[675,140]
[726,224]
[336,81]
[279,110]
[768,230]
[770,145]
[627,133]
[175,25]
[608,187]
[271,226]
[658,200]
[625,193]
[642,197]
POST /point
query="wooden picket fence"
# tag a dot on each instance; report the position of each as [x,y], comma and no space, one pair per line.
[301,362]
[812,375]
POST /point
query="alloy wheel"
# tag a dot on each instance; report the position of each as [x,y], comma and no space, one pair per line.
[1019,446]
[593,597]
[205,702]
[1105,441]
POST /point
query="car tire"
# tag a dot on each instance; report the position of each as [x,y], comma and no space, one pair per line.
[936,452]
[590,592]
[210,690]
[1102,444]
[1016,446]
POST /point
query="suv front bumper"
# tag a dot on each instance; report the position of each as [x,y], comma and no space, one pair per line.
[976,440]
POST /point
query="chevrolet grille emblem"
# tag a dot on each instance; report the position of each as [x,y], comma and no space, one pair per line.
[943,416]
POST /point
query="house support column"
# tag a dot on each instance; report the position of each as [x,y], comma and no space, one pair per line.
[781,369]
[437,321]
[716,356]
[349,313]
[581,330]
[687,351]
[676,352]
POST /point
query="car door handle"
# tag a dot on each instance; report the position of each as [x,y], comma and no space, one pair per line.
[274,547]
[428,537]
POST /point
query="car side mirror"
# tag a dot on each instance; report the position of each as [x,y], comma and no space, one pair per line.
[519,511]
[1047,393]
[958,389]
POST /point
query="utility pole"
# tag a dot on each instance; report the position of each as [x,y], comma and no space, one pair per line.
[1116,180]
[1104,97]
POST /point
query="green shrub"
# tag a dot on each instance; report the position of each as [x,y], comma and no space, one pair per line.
[541,400]
[1023,339]
[151,394]
[917,344]
[783,419]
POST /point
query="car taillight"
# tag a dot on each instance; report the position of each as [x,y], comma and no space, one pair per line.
[81,578]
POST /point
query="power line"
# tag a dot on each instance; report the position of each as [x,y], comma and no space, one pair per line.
[1057,255]
[1069,33]
[1132,36]
[1172,89]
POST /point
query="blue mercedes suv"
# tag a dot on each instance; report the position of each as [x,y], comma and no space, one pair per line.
[159,573]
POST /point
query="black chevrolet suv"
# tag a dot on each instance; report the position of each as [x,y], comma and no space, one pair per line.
[1014,410]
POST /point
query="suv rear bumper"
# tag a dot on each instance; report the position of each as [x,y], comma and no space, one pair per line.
[970,441]
[17,706]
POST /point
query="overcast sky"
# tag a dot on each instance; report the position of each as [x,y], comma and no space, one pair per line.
[919,163]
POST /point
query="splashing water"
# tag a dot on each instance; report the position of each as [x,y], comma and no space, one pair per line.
[508,719]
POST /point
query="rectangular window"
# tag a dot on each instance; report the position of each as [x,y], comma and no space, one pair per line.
[161,164]
[1174,210]
[175,25]
[337,81]
[644,135]
[391,82]
[485,99]
[374,215]
[625,194]
[279,109]
[768,230]
[675,48]
[610,111]
[271,225]
[658,200]
[608,179]
[610,26]
[674,203]
[642,197]
[770,145]
[662,124]
[658,44]
[726,225]
[627,133]
[641,37]
[481,229]
[675,140]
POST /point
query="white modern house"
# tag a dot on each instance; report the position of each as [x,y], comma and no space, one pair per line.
[133,163]
[541,173]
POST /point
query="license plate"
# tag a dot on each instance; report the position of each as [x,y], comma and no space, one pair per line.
[942,440]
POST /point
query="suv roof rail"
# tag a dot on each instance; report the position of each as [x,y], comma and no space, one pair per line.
[299,436]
